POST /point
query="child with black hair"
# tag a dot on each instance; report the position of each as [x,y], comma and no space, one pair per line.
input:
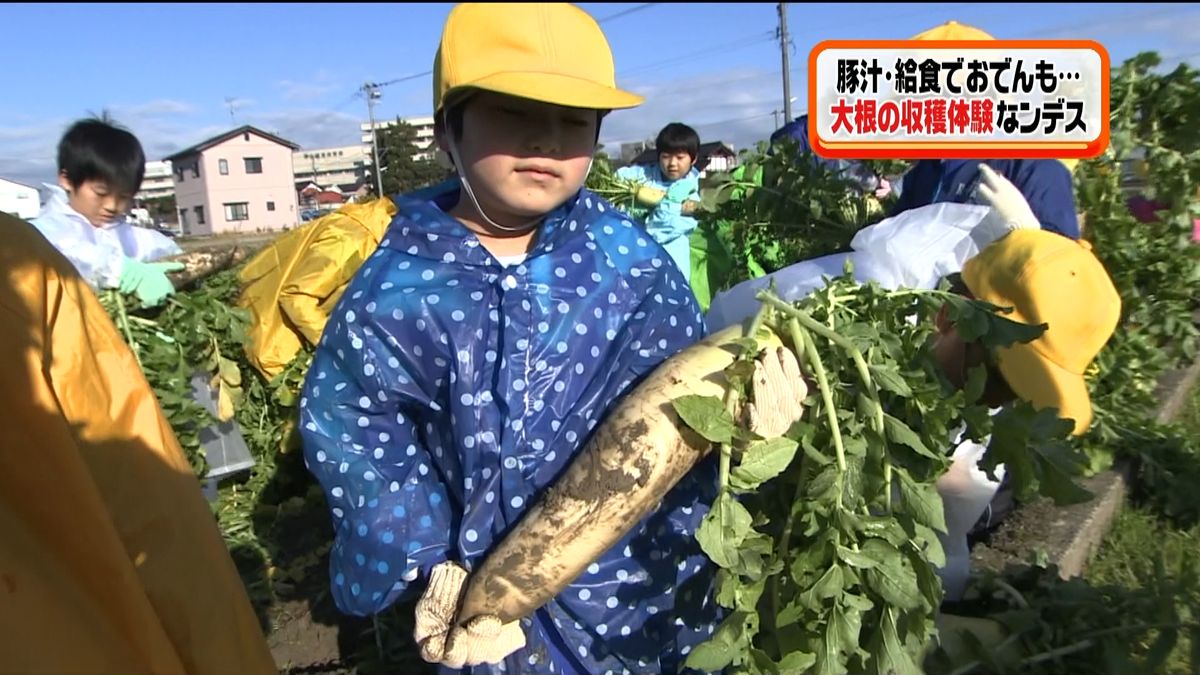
[671,221]
[100,169]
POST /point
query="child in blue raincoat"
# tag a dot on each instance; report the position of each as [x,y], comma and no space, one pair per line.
[500,319]
[670,222]
[100,170]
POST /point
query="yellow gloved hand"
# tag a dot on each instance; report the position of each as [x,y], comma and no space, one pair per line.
[483,640]
[779,390]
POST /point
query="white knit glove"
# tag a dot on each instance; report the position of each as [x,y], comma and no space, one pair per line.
[779,390]
[483,640]
[1009,209]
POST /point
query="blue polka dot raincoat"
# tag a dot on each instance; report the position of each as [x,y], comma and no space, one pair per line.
[448,392]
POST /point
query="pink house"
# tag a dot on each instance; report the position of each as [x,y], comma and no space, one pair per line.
[240,181]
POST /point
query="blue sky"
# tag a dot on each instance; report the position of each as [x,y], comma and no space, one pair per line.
[166,70]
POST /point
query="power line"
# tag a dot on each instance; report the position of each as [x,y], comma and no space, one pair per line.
[401,79]
[733,120]
[625,12]
[406,78]
[740,43]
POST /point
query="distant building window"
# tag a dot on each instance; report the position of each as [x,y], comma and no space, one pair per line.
[183,219]
[270,206]
[223,167]
[196,170]
[237,211]
[253,164]
[199,215]
[246,136]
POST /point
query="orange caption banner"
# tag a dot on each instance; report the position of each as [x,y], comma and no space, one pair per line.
[1024,148]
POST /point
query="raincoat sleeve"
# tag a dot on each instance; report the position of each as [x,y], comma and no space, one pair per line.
[112,561]
[667,320]
[673,322]
[632,172]
[327,265]
[100,266]
[667,224]
[361,413]
[150,245]
[919,184]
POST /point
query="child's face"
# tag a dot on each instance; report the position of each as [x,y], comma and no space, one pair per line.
[674,165]
[94,200]
[957,358]
[523,158]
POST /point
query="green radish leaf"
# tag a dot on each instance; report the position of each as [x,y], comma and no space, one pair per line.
[857,558]
[888,378]
[763,461]
[898,432]
[722,531]
[707,416]
[729,642]
[797,662]
[894,578]
[922,501]
[890,657]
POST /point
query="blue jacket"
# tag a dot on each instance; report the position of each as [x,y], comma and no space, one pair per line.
[1046,184]
[666,222]
[448,392]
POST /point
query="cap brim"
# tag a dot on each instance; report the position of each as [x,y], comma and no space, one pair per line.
[558,89]
[1036,379]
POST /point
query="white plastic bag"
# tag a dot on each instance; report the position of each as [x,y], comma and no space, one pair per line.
[914,249]
[920,246]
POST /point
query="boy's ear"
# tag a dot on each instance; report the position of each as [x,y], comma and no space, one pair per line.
[64,182]
[441,156]
[942,320]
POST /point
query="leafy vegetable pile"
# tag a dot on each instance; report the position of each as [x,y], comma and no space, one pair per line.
[826,537]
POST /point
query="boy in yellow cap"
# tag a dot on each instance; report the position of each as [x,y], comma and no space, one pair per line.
[1046,279]
[502,316]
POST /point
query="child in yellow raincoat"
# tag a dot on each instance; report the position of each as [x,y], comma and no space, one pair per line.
[291,286]
[111,561]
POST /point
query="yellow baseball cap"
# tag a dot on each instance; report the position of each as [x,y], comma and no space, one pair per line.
[1049,279]
[953,30]
[550,52]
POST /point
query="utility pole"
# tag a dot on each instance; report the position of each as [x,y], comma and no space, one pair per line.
[371,91]
[787,75]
